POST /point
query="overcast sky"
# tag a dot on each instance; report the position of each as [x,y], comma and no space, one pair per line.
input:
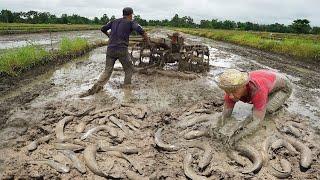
[259,11]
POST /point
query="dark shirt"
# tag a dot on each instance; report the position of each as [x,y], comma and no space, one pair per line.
[120,31]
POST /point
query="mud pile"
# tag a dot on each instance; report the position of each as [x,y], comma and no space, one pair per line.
[129,141]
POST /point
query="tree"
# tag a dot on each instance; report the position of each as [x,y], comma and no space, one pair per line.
[104,19]
[175,21]
[227,24]
[112,18]
[43,17]
[31,16]
[6,16]
[301,26]
[298,26]
[96,20]
[64,19]
[53,19]
[140,21]
[315,30]
[205,24]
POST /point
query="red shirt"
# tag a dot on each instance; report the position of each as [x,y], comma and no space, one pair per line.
[261,83]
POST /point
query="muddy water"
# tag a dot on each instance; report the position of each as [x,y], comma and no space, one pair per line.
[160,93]
[304,100]
[46,39]
[167,98]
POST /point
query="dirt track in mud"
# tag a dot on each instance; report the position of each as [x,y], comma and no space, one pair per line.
[38,107]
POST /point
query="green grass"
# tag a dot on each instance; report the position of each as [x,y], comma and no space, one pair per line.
[68,46]
[13,61]
[19,28]
[16,60]
[304,47]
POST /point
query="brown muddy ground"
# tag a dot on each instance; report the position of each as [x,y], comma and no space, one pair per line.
[35,109]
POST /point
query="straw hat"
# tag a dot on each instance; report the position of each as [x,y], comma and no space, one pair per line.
[232,79]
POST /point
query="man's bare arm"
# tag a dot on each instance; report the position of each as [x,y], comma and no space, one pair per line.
[146,38]
[106,33]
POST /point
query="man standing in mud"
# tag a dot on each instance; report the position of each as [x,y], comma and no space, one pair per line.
[118,48]
[265,89]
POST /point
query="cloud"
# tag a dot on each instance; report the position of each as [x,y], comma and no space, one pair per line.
[260,11]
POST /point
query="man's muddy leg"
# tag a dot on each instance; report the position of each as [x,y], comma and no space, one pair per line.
[278,98]
[127,66]
[104,77]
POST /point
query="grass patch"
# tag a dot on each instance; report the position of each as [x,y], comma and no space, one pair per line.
[16,60]
[305,47]
[71,46]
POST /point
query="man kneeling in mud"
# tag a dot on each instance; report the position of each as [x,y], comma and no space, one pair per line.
[118,48]
[265,89]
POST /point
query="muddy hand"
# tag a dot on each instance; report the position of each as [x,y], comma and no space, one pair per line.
[215,127]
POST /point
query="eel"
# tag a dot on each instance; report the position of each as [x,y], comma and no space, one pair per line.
[163,145]
[75,161]
[207,155]
[80,127]
[195,134]
[34,144]
[111,131]
[253,155]
[125,157]
[60,126]
[289,129]
[116,121]
[235,157]
[143,110]
[195,120]
[265,148]
[297,125]
[126,149]
[134,176]
[129,119]
[188,171]
[53,164]
[285,172]
[68,146]
[206,111]
[282,143]
[89,155]
[305,152]
[104,110]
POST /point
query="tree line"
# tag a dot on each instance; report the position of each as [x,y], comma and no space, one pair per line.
[301,26]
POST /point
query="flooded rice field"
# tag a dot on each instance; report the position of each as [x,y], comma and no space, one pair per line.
[48,40]
[160,128]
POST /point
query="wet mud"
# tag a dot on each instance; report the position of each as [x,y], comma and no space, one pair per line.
[158,129]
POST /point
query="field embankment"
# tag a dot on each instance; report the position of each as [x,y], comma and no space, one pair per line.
[17,60]
[22,28]
[302,47]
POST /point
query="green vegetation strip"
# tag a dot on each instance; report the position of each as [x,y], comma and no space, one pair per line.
[19,28]
[16,60]
[300,47]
